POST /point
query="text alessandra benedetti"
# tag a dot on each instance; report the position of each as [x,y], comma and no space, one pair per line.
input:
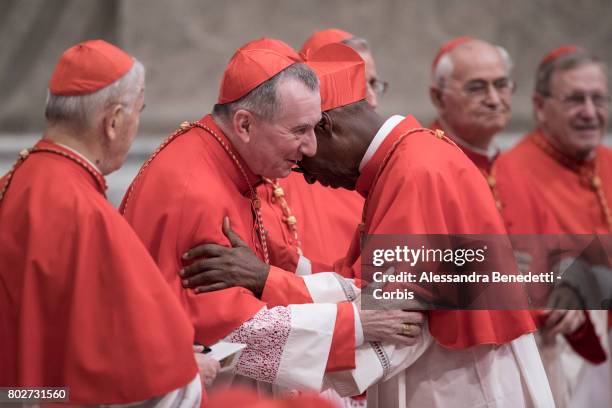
[493,277]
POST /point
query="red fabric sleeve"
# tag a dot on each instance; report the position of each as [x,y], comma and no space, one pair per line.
[342,351]
[284,288]
[585,342]
[320,266]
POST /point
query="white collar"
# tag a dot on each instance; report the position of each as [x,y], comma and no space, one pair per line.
[490,153]
[380,136]
[79,154]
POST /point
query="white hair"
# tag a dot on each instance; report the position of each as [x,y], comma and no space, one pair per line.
[444,69]
[359,44]
[81,109]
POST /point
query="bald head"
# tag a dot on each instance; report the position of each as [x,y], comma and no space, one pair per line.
[469,56]
[472,91]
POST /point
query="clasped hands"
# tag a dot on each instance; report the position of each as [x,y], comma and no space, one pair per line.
[216,267]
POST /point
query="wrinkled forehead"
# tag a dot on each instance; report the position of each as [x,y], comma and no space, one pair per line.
[478,60]
[297,103]
[588,77]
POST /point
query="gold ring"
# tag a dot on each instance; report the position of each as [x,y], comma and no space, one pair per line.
[406,329]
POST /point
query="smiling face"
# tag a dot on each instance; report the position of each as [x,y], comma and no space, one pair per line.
[275,146]
[575,114]
[476,99]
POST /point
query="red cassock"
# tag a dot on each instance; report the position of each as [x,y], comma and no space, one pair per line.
[179,200]
[323,223]
[566,192]
[524,213]
[565,187]
[83,304]
[246,398]
[532,211]
[417,183]
[483,162]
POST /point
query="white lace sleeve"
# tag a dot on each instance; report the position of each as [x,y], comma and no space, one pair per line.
[266,335]
[287,346]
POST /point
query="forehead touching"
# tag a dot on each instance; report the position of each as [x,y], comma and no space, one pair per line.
[298,105]
[478,59]
[585,77]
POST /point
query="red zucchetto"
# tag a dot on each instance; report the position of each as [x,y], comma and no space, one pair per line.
[320,38]
[248,69]
[448,47]
[341,72]
[88,67]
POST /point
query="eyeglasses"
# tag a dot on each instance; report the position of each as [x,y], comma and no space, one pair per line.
[479,88]
[378,86]
[578,99]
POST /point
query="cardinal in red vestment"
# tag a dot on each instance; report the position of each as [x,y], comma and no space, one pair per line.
[418,182]
[564,159]
[209,170]
[308,227]
[83,304]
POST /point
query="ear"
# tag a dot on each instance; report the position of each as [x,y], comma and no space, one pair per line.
[242,124]
[435,94]
[538,106]
[112,121]
[325,126]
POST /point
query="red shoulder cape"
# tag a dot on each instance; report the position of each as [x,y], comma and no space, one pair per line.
[428,186]
[83,304]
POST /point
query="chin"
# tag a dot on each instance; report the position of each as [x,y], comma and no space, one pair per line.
[494,126]
[278,174]
[585,149]
[111,167]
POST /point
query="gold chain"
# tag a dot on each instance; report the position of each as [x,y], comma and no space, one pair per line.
[492,182]
[437,133]
[185,126]
[255,202]
[288,218]
[591,176]
[25,153]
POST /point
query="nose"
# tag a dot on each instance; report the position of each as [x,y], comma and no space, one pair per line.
[371,96]
[309,146]
[492,97]
[589,110]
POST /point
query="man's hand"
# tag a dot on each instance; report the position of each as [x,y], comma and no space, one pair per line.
[562,322]
[222,267]
[564,316]
[208,366]
[394,326]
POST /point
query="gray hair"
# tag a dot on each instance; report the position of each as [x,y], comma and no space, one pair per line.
[263,100]
[81,109]
[359,44]
[444,69]
[566,62]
